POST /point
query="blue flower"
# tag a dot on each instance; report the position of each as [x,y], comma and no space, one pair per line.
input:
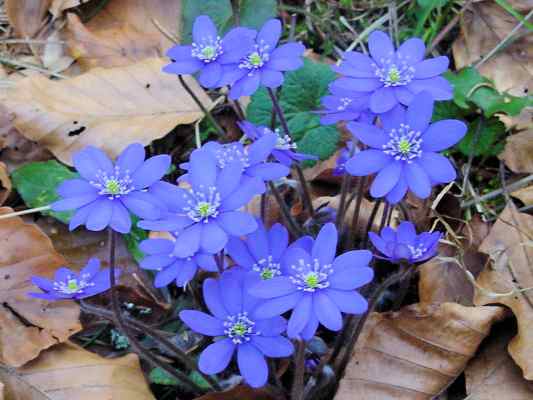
[283,150]
[265,64]
[160,257]
[238,330]
[105,194]
[345,105]
[345,155]
[405,152]
[393,77]
[204,216]
[68,284]
[316,285]
[404,244]
[209,54]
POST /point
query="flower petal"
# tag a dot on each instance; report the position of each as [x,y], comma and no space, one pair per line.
[357,84]
[203,28]
[271,326]
[367,162]
[275,307]
[156,246]
[438,167]
[351,278]
[271,78]
[420,111]
[165,277]
[438,86]
[213,298]
[406,232]
[216,357]
[152,170]
[131,158]
[120,219]
[411,51]
[269,33]
[393,118]
[202,169]
[202,323]
[273,346]
[142,204]
[379,243]
[188,241]
[278,240]
[210,75]
[246,86]
[368,134]
[275,287]
[431,67]
[260,149]
[380,47]
[325,244]
[90,161]
[100,215]
[71,203]
[383,100]
[75,188]
[386,179]
[353,258]
[418,180]
[300,316]
[398,192]
[213,238]
[237,223]
[443,134]
[252,365]
[186,67]
[348,301]
[327,312]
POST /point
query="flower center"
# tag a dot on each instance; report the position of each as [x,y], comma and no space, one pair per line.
[239,328]
[418,251]
[284,142]
[257,58]
[203,205]
[117,184]
[208,49]
[311,276]
[72,285]
[394,73]
[404,144]
[230,153]
[345,102]
[267,268]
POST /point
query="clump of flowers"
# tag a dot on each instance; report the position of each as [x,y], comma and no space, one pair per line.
[105,193]
[404,245]
[405,152]
[70,285]
[345,105]
[316,286]
[239,329]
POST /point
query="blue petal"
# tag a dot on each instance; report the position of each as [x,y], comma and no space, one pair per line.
[367,162]
[348,301]
[368,134]
[325,244]
[443,134]
[411,51]
[275,307]
[203,170]
[156,246]
[71,203]
[269,33]
[216,357]
[142,204]
[278,239]
[203,28]
[237,250]
[420,111]
[188,241]
[131,158]
[151,171]
[121,219]
[213,298]
[275,287]
[100,215]
[438,167]
[431,67]
[300,316]
[380,47]
[91,161]
[75,188]
[252,365]
[213,238]
[351,278]
[418,180]
[383,100]
[327,312]
[273,346]
[386,179]
[237,223]
[202,323]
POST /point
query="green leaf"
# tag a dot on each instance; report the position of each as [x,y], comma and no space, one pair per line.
[488,142]
[299,97]
[134,238]
[253,14]
[161,377]
[36,183]
[473,89]
[432,3]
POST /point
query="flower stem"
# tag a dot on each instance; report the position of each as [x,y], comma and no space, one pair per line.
[355,217]
[297,392]
[201,106]
[294,229]
[342,204]
[135,344]
[24,212]
[370,223]
[236,105]
[306,195]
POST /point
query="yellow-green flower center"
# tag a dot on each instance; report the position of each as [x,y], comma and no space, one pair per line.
[208,52]
[72,285]
[267,274]
[404,146]
[204,209]
[394,75]
[311,280]
[239,329]
[112,186]
[255,59]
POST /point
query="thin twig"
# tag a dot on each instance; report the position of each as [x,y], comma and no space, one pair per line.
[495,193]
[294,229]
[25,212]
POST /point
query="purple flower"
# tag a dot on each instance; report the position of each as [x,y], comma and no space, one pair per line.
[283,150]
[203,217]
[105,194]
[393,77]
[344,105]
[261,251]
[265,63]
[160,257]
[316,285]
[344,156]
[68,284]
[404,244]
[239,331]
[405,152]
[210,54]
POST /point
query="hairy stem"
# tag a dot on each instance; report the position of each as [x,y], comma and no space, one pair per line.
[297,391]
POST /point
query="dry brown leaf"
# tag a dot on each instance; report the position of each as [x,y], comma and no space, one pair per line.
[58,6]
[518,152]
[108,108]
[69,372]
[29,325]
[525,195]
[5,183]
[510,247]
[243,392]
[322,170]
[26,16]
[444,281]
[414,354]
[492,374]
[123,32]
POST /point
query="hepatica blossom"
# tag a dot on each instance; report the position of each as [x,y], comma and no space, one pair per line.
[345,105]
[344,155]
[160,257]
[209,54]
[316,285]
[404,244]
[265,63]
[68,284]
[105,194]
[284,150]
[405,152]
[238,330]
[203,217]
[393,77]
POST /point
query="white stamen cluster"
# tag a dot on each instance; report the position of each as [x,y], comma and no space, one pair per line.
[208,50]
[284,142]
[115,185]
[404,144]
[257,58]
[202,205]
[267,268]
[231,152]
[239,328]
[310,277]
[418,251]
[345,102]
[73,285]
[395,71]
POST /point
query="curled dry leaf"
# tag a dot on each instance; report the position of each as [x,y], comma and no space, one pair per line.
[492,374]
[123,32]
[26,16]
[243,392]
[58,6]
[67,371]
[107,108]
[518,152]
[5,183]
[415,353]
[510,247]
[444,280]
[29,325]
[525,195]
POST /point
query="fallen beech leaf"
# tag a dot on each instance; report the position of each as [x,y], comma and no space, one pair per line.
[69,372]
[518,152]
[525,195]
[509,246]
[492,374]
[415,353]
[26,16]
[29,325]
[322,170]
[243,392]
[444,281]
[5,183]
[109,108]
[123,32]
